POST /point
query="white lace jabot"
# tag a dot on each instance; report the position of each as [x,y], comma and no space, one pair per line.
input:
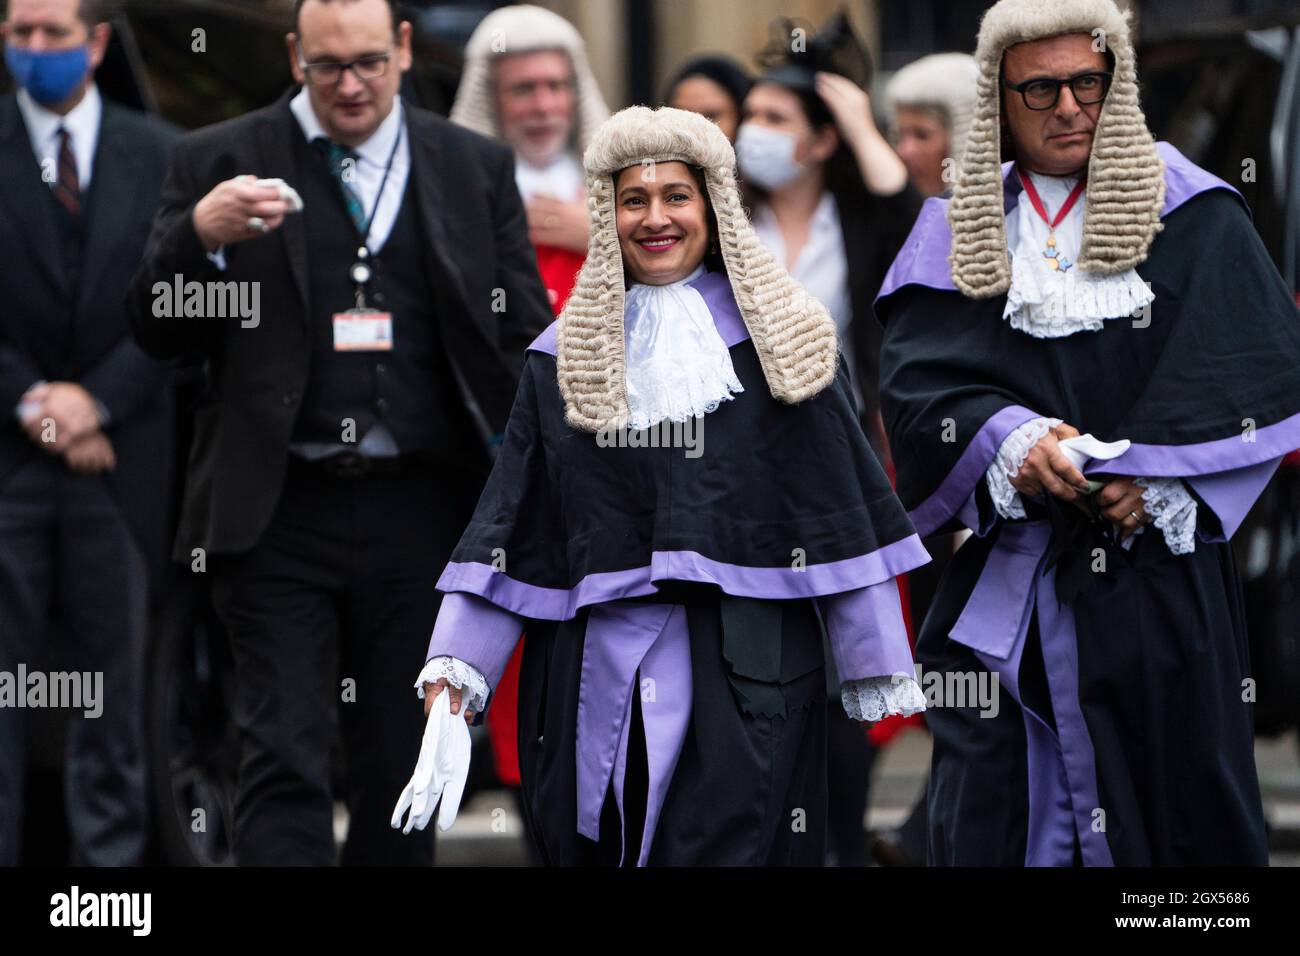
[1047,303]
[678,367]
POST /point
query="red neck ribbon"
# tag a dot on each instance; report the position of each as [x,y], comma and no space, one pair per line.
[1037,202]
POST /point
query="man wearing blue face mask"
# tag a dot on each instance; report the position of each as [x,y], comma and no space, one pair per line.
[84,422]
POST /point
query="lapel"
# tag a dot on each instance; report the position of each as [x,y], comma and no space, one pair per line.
[21,190]
[432,206]
[113,192]
[275,133]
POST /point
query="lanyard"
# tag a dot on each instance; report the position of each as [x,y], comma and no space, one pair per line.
[360,272]
[388,168]
[1037,202]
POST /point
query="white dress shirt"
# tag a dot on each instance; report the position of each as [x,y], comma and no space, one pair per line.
[372,160]
[561,178]
[43,125]
[822,267]
[82,124]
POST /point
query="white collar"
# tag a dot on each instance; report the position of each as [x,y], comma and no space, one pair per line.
[827,213]
[561,178]
[677,366]
[1051,303]
[561,160]
[375,150]
[81,122]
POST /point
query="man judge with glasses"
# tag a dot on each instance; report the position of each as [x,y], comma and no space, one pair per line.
[347,426]
[1091,362]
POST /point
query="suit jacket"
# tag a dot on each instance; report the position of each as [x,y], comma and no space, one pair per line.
[490,305]
[50,331]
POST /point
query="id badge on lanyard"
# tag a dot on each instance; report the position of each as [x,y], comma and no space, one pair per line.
[362,329]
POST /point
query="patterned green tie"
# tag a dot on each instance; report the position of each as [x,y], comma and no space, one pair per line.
[344,176]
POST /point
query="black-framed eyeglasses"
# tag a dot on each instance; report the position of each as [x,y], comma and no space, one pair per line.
[1042,94]
[366,68]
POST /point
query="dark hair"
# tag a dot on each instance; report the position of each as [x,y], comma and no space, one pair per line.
[89,12]
[842,175]
[712,255]
[722,70]
[835,48]
[394,9]
[93,12]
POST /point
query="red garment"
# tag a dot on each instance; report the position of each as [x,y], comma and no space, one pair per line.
[503,723]
[559,269]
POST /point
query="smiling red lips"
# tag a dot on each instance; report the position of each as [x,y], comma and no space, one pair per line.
[658,243]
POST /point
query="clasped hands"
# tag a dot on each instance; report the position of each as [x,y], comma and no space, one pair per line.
[1046,468]
[63,418]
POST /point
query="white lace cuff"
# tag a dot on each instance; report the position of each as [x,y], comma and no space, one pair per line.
[873,698]
[1011,456]
[458,674]
[1172,510]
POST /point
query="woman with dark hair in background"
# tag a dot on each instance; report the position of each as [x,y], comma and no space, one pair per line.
[828,195]
[715,86]
[831,200]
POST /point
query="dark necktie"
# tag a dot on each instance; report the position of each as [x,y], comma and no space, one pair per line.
[345,176]
[67,190]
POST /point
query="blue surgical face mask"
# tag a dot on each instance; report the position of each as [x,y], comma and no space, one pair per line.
[48,76]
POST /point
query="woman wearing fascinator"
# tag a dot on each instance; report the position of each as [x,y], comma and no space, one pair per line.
[827,190]
[825,187]
[685,601]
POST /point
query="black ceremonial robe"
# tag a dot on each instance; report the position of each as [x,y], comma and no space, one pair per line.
[1124,731]
[679,602]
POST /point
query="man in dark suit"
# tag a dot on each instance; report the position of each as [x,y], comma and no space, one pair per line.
[84,425]
[339,451]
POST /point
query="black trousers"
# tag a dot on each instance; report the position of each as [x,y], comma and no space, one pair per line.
[66,552]
[329,618]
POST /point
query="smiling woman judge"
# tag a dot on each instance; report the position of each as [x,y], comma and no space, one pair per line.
[672,704]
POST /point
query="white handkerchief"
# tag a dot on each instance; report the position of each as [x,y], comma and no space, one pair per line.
[1088,447]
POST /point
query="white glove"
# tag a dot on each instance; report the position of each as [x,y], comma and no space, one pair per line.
[440,771]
